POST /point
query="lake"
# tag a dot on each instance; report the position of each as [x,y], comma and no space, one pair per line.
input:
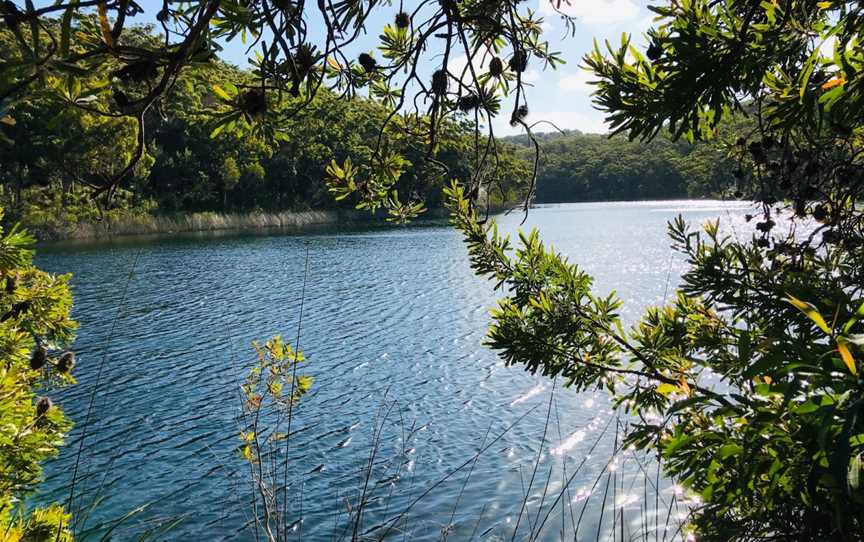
[392,325]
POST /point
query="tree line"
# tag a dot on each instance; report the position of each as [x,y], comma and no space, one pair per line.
[575,166]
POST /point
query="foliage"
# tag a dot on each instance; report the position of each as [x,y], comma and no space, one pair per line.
[34,324]
[590,167]
[64,141]
[270,392]
[747,385]
[97,64]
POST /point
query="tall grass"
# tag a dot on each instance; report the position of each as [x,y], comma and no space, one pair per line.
[144,224]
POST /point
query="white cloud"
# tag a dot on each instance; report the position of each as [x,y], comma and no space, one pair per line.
[577,82]
[458,64]
[593,12]
[565,120]
[531,76]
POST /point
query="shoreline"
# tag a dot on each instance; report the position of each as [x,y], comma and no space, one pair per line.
[133,226]
[141,225]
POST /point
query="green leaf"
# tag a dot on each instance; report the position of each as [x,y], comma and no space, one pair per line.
[728,450]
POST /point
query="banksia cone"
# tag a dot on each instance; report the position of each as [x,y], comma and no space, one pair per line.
[367,62]
[253,102]
[468,103]
[43,406]
[519,115]
[439,82]
[519,61]
[66,362]
[38,358]
[496,67]
[403,20]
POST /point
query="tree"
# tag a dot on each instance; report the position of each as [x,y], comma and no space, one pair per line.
[747,385]
[34,325]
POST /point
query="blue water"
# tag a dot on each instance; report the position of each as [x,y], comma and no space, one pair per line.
[392,325]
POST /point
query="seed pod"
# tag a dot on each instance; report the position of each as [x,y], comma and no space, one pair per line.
[820,213]
[38,358]
[43,406]
[66,362]
[519,61]
[253,102]
[403,20]
[367,62]
[468,103]
[496,67]
[519,115]
[439,82]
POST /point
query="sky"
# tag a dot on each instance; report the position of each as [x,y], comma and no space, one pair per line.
[561,96]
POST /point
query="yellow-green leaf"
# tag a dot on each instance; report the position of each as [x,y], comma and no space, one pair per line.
[847,358]
[217,90]
[105,26]
[667,389]
[811,312]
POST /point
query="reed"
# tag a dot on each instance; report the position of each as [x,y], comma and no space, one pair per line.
[145,224]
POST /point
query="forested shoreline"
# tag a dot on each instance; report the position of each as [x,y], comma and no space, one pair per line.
[53,155]
[577,167]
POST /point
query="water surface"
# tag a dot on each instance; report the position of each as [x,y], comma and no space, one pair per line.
[392,325]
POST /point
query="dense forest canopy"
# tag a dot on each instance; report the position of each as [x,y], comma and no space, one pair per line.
[591,167]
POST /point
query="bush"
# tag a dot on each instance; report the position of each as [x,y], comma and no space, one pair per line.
[34,326]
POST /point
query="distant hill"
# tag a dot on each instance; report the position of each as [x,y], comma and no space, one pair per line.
[575,166]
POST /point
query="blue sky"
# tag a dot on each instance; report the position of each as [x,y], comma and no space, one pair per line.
[561,96]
